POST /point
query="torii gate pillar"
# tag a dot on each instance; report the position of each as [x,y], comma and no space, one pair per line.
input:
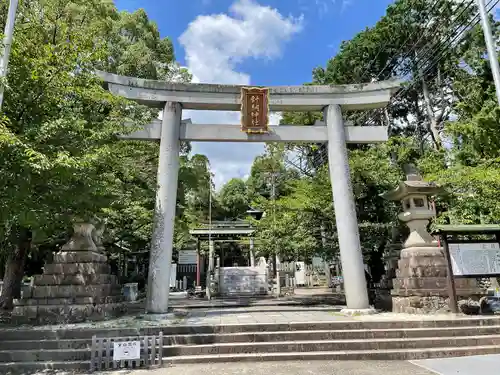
[160,257]
[345,213]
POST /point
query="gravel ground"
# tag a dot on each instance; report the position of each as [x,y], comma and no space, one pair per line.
[290,368]
[273,368]
[480,364]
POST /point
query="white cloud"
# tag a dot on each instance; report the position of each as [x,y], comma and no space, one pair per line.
[214,46]
[323,7]
[345,4]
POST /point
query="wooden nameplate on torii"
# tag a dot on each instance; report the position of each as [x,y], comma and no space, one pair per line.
[254,110]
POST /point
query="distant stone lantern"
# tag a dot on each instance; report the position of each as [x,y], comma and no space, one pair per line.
[420,283]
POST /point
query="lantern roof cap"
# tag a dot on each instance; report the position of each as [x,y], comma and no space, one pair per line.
[412,187]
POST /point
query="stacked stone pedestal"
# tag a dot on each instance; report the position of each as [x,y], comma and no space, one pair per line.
[77,286]
[420,286]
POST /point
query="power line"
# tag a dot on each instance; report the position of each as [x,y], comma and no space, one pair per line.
[490,47]
[414,47]
[320,154]
[473,22]
[428,54]
[429,57]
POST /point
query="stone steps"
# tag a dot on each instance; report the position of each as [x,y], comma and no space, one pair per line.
[36,367]
[262,337]
[172,352]
[400,354]
[38,349]
[404,325]
[394,354]
[58,355]
[364,334]
[329,345]
[45,344]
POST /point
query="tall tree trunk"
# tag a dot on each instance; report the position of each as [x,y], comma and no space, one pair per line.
[14,268]
[433,122]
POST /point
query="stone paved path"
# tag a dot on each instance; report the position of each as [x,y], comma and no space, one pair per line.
[290,368]
[263,314]
[287,314]
[477,365]
[252,314]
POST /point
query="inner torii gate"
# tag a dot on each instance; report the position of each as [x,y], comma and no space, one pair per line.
[174,97]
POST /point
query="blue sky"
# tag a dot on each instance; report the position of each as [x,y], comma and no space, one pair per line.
[262,42]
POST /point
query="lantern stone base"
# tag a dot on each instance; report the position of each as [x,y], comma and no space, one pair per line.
[420,286]
[40,314]
[77,286]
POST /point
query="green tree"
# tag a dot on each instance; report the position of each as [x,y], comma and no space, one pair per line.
[135,48]
[233,199]
[447,77]
[59,126]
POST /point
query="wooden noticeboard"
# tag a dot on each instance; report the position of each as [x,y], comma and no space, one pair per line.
[254,109]
[466,257]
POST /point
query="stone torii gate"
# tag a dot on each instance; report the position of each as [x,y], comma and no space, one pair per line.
[174,97]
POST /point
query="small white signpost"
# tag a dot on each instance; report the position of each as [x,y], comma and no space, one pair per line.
[126,350]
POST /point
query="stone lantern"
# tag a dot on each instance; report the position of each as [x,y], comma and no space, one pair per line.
[76,286]
[420,285]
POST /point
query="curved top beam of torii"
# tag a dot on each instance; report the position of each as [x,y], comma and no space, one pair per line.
[228,97]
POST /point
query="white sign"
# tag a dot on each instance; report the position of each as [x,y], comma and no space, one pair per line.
[187,257]
[173,275]
[300,273]
[470,259]
[126,350]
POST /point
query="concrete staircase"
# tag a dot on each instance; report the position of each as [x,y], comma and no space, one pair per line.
[38,349]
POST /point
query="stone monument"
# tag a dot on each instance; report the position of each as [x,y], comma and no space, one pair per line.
[76,287]
[420,285]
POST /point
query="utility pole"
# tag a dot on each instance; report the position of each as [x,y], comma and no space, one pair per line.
[210,208]
[211,249]
[276,250]
[7,43]
[490,45]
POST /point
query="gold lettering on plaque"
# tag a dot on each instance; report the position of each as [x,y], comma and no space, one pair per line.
[254,109]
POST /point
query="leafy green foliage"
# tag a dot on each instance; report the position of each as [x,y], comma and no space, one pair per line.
[448,100]
[233,199]
[60,123]
[59,126]
[63,160]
